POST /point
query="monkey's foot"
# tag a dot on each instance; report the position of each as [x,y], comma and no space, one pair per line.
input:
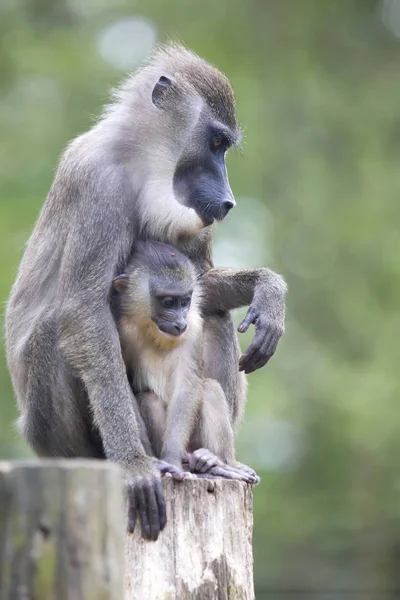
[201,460]
[248,470]
[206,464]
[166,468]
[228,472]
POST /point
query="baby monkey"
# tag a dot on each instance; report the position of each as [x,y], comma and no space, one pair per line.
[183,417]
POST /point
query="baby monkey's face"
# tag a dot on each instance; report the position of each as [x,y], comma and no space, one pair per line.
[169,311]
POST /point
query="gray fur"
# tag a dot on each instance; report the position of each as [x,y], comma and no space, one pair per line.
[181,410]
[115,185]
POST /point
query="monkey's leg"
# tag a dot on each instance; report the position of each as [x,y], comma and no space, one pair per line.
[55,418]
[221,354]
[144,435]
[153,417]
[212,443]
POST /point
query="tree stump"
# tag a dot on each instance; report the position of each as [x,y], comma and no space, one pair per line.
[62,530]
[205,550]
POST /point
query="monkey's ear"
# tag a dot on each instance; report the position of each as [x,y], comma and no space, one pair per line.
[120,282]
[160,89]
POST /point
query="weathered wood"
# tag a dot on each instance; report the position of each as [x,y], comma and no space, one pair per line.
[62,531]
[204,552]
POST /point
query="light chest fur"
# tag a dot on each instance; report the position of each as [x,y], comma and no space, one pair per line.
[158,364]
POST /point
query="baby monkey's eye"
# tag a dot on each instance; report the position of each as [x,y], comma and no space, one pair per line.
[185,302]
[168,302]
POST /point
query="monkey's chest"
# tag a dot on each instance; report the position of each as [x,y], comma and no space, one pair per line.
[156,373]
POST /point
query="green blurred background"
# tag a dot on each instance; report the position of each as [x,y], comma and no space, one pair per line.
[318,91]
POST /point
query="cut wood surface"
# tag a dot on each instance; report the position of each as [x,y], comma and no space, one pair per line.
[205,550]
[62,530]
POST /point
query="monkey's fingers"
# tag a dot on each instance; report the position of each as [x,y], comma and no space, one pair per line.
[256,355]
[246,360]
[150,503]
[266,352]
[141,505]
[153,512]
[260,350]
[162,509]
[131,510]
[249,319]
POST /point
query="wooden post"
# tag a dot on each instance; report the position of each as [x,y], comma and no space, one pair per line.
[62,536]
[62,530]
[204,552]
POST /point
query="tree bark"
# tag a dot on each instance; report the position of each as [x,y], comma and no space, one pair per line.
[62,530]
[205,550]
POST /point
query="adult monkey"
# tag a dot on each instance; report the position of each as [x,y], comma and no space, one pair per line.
[153,167]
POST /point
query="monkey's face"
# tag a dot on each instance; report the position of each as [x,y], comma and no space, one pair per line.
[200,178]
[170,313]
[195,154]
[157,295]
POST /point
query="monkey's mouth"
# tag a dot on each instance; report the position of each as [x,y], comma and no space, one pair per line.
[171,330]
[207,221]
[171,336]
[215,212]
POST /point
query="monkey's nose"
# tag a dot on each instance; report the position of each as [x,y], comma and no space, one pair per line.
[228,205]
[181,327]
[225,208]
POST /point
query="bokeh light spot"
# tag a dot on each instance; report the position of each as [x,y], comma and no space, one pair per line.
[127,42]
[390,15]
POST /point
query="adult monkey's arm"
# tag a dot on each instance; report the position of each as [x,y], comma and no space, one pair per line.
[98,241]
[262,289]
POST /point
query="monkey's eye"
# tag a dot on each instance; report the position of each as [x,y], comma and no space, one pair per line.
[220,142]
[168,302]
[185,302]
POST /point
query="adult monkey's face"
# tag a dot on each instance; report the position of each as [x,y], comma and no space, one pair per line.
[201,179]
[199,112]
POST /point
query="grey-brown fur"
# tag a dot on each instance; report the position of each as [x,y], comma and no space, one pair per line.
[116,184]
[209,82]
[184,414]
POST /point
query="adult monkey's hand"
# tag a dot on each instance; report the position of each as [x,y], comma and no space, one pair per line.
[264,291]
[267,313]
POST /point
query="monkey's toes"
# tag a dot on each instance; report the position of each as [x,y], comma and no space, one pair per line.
[227,472]
[167,468]
[249,471]
[202,460]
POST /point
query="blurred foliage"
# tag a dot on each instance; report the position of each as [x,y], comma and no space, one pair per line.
[318,91]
